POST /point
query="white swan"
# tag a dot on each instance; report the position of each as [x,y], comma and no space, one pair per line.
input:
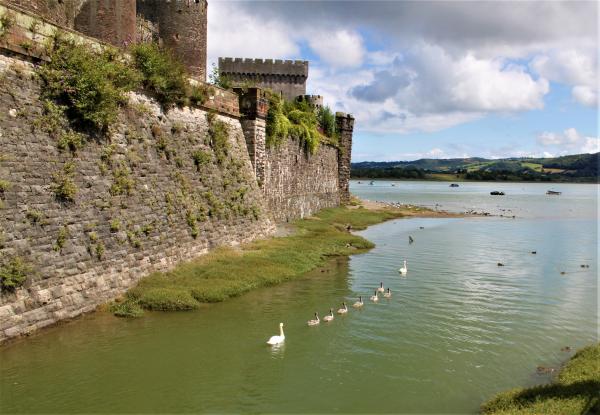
[274,340]
[359,303]
[380,289]
[343,310]
[375,297]
[314,321]
[329,317]
[404,269]
[388,294]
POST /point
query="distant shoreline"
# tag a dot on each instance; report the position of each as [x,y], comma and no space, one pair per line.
[463,180]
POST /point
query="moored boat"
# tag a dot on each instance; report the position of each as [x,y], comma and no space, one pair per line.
[553,192]
[497,193]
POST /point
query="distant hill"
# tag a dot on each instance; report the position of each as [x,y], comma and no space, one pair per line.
[577,167]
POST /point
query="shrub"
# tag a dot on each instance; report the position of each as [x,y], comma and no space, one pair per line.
[70,140]
[326,119]
[296,119]
[217,79]
[122,182]
[100,250]
[4,186]
[64,187]
[218,133]
[168,299]
[34,216]
[7,20]
[127,308]
[163,75]
[201,158]
[198,94]
[91,85]
[115,225]
[13,273]
[63,234]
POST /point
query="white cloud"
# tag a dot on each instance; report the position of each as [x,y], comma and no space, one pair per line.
[575,67]
[436,65]
[585,95]
[232,33]
[591,145]
[340,48]
[569,141]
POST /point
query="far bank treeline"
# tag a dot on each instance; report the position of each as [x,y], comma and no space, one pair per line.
[572,168]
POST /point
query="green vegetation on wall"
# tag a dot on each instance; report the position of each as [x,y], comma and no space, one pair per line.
[165,77]
[13,273]
[91,85]
[299,120]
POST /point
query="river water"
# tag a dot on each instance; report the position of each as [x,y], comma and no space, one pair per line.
[457,329]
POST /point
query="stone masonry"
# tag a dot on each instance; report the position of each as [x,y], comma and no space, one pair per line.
[181,25]
[87,252]
[285,77]
[151,192]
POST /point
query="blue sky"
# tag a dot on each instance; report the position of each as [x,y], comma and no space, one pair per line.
[435,79]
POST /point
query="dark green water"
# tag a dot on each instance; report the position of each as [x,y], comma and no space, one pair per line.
[457,329]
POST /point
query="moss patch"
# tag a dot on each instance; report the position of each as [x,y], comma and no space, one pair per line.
[575,391]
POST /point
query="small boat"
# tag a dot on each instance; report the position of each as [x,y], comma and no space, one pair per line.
[553,192]
[497,193]
[372,183]
[454,185]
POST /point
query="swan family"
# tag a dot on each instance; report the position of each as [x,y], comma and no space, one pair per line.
[387,293]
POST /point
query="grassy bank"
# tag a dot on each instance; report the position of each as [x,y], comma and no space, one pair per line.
[575,391]
[229,272]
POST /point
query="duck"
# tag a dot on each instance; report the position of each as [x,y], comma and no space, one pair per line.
[314,321]
[380,289]
[388,293]
[404,269]
[375,297]
[275,340]
[329,317]
[359,303]
[343,310]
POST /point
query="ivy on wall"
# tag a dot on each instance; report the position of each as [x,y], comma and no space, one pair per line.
[300,120]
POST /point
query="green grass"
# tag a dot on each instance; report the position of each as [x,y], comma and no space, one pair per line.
[228,272]
[533,166]
[575,391]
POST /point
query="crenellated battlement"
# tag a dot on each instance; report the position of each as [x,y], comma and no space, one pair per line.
[287,77]
[249,66]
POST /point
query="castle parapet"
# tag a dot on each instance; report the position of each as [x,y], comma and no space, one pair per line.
[287,77]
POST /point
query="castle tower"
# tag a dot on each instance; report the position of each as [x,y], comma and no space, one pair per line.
[285,77]
[61,13]
[345,128]
[112,21]
[182,27]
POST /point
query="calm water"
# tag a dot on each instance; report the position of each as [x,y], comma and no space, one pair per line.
[457,329]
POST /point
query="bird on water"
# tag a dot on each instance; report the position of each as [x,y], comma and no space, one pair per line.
[274,340]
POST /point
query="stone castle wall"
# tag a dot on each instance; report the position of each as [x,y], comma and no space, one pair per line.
[84,253]
[296,184]
[181,27]
[282,76]
[150,194]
